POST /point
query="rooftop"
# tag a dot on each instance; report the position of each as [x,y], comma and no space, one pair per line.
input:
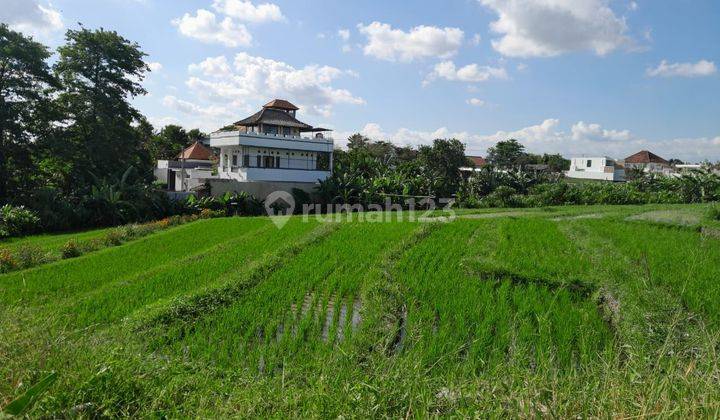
[477,160]
[645,156]
[281,104]
[196,152]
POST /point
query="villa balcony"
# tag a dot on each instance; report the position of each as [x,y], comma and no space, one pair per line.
[245,174]
[278,141]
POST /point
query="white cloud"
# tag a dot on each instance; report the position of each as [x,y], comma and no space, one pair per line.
[250,80]
[205,27]
[31,17]
[155,66]
[208,118]
[344,34]
[390,44]
[475,102]
[471,73]
[699,69]
[212,66]
[548,137]
[595,132]
[248,12]
[476,39]
[545,28]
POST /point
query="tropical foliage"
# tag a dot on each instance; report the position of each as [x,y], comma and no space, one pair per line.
[17,220]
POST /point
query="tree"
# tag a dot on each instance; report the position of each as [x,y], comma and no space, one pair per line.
[100,71]
[169,142]
[506,154]
[357,141]
[443,161]
[555,163]
[196,135]
[25,78]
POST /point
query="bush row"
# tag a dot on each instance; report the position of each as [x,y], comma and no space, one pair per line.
[694,188]
[28,256]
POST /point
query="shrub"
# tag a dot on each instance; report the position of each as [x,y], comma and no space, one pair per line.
[29,256]
[70,250]
[114,237]
[7,261]
[16,221]
[713,212]
[211,214]
[503,196]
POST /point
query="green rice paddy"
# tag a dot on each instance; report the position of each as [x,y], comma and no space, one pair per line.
[576,311]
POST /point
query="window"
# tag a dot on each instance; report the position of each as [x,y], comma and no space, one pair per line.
[258,159]
[246,160]
[277,161]
[234,160]
[589,163]
[269,162]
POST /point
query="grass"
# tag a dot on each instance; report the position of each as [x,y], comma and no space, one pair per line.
[52,242]
[544,313]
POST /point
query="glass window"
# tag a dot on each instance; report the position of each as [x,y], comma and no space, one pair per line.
[589,163]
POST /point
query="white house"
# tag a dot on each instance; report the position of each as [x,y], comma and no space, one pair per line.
[597,168]
[269,147]
[648,162]
[192,167]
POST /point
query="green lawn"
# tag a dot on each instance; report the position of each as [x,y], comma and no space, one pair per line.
[594,311]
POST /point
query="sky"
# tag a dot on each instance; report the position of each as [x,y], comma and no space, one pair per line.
[576,77]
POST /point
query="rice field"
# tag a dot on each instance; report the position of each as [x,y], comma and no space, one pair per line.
[577,311]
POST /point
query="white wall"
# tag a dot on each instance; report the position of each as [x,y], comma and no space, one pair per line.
[599,168]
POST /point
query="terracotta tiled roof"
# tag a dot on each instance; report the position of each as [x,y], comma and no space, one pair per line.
[645,156]
[281,104]
[196,152]
[477,160]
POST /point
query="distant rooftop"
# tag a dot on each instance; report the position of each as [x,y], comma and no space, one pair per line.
[477,160]
[196,152]
[645,156]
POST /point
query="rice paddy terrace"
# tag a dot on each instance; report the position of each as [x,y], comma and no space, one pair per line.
[595,311]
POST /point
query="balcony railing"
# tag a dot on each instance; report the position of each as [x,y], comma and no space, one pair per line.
[228,134]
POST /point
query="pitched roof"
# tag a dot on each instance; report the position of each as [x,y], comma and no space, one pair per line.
[645,156]
[477,160]
[196,152]
[280,104]
[274,117]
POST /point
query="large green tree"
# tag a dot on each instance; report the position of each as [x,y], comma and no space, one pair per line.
[100,72]
[442,162]
[25,79]
[169,142]
[507,154]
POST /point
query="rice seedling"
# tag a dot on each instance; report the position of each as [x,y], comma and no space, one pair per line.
[545,314]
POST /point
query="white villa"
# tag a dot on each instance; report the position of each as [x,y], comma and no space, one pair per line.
[192,166]
[597,168]
[269,147]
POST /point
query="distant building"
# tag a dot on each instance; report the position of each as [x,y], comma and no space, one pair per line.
[597,168]
[478,161]
[648,162]
[269,147]
[192,167]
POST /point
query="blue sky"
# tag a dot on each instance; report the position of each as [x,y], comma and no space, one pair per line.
[578,77]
